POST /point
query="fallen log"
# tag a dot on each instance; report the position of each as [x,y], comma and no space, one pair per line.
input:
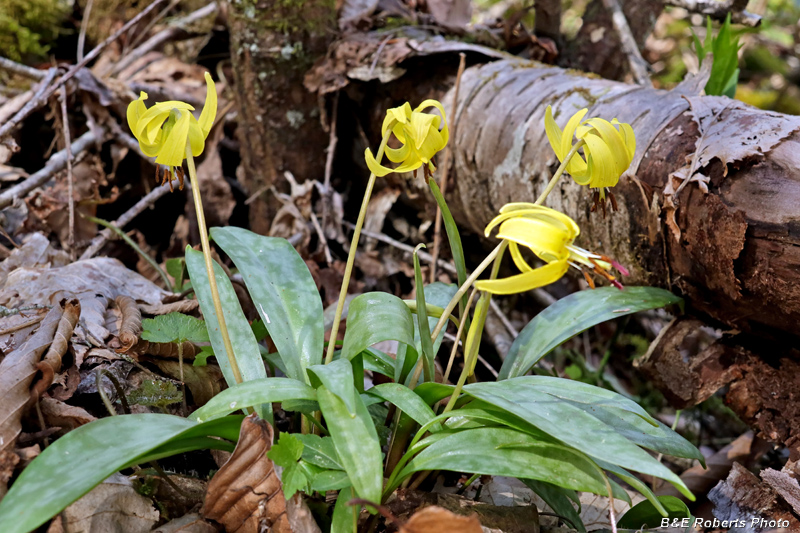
[728,240]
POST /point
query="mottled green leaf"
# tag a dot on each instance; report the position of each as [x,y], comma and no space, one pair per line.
[574,314]
[284,294]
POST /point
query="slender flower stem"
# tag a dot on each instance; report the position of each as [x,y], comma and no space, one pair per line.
[212,279]
[474,336]
[465,287]
[561,168]
[351,256]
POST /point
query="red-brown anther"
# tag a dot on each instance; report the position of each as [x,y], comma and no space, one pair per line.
[613,201]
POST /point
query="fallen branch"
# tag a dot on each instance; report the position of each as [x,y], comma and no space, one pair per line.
[174,31]
[639,67]
[718,10]
[55,164]
[33,104]
[147,201]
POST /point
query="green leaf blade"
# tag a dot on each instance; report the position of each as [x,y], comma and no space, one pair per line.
[356,443]
[245,347]
[574,314]
[284,293]
[374,317]
[174,327]
[83,458]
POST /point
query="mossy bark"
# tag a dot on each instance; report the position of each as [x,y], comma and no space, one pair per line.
[273,44]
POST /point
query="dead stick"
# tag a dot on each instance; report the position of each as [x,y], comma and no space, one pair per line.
[638,65]
[55,164]
[99,48]
[164,36]
[22,70]
[147,201]
[87,13]
[34,103]
[437,232]
[70,177]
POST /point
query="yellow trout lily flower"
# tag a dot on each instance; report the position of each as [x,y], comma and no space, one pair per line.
[164,130]
[419,133]
[549,234]
[609,148]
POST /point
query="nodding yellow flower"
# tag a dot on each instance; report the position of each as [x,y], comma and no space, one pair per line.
[549,234]
[609,148]
[419,133]
[164,130]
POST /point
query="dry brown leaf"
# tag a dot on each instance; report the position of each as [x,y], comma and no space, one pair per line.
[190,523]
[163,349]
[131,326]
[114,505]
[8,462]
[15,329]
[594,509]
[204,382]
[353,11]
[95,282]
[700,480]
[379,206]
[65,416]
[50,364]
[17,371]
[451,14]
[436,519]
[35,252]
[181,306]
[246,491]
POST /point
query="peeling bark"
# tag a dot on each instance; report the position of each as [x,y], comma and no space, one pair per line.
[738,254]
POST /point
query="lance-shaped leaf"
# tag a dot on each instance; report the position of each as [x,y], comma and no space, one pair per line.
[284,293]
[573,314]
[374,317]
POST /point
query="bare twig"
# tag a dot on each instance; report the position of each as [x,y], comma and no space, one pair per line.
[504,319]
[332,140]
[718,10]
[168,34]
[87,13]
[33,104]
[22,70]
[49,90]
[437,231]
[55,164]
[100,47]
[70,177]
[146,30]
[147,201]
[638,65]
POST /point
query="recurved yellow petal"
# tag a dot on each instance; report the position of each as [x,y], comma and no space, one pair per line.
[526,281]
[209,112]
[375,167]
[135,110]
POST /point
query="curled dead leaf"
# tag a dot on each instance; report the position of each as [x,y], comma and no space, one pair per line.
[131,326]
[51,362]
[246,492]
[436,519]
[17,371]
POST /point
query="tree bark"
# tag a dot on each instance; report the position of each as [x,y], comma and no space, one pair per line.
[738,253]
[273,45]
[596,48]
